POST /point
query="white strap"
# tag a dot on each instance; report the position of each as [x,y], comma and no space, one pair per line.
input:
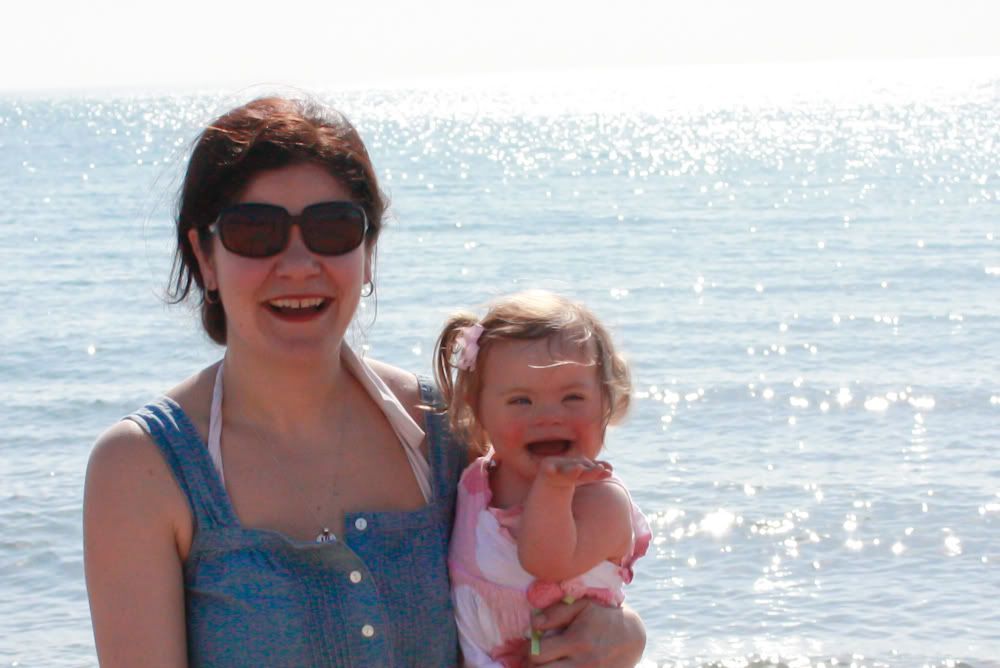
[406,429]
[215,425]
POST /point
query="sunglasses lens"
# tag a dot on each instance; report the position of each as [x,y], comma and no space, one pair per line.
[261,230]
[254,230]
[333,228]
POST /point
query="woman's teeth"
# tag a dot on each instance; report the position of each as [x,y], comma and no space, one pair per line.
[288,303]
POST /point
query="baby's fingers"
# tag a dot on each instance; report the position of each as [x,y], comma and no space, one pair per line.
[561,467]
[575,468]
[593,474]
[604,464]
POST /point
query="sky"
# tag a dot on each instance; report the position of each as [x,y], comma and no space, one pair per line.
[57,45]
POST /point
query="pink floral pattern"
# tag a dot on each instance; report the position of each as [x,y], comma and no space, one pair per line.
[493,596]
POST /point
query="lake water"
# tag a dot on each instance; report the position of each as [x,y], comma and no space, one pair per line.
[802,264]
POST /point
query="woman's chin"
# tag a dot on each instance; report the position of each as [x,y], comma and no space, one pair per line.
[310,349]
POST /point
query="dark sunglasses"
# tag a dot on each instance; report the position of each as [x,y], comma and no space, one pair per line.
[263,230]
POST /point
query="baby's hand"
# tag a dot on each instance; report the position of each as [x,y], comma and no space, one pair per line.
[573,471]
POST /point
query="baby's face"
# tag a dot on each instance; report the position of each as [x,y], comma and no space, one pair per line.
[541,399]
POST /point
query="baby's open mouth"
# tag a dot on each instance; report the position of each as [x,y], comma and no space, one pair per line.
[548,448]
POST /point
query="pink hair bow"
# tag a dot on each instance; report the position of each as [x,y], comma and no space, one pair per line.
[469,338]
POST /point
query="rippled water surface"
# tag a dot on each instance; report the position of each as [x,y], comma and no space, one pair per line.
[802,264]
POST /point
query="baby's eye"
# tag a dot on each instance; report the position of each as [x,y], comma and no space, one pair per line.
[519,401]
[574,397]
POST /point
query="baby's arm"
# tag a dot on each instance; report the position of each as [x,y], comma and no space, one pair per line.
[568,529]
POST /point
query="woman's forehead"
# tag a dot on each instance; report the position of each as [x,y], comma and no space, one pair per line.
[294,187]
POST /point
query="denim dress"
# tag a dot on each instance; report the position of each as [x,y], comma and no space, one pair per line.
[378,596]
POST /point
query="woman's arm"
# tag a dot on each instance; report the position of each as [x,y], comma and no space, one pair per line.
[590,635]
[134,520]
[567,528]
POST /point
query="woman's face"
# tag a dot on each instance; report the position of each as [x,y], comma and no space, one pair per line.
[296,303]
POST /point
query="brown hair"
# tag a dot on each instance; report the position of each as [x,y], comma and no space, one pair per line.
[530,315]
[265,134]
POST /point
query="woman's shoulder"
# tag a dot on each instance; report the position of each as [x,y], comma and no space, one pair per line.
[127,449]
[407,388]
[404,384]
[127,471]
[123,446]
[194,396]
[128,476]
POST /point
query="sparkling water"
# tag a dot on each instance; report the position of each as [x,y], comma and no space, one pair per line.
[801,263]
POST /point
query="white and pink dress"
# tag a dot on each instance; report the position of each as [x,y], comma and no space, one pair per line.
[493,596]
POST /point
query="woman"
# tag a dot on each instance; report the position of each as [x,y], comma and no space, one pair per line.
[291,504]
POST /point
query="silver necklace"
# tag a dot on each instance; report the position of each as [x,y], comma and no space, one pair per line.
[324,536]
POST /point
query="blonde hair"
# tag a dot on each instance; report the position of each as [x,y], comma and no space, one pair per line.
[525,316]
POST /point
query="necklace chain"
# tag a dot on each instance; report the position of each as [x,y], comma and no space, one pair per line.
[324,536]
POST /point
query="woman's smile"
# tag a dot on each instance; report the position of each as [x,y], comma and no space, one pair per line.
[299,308]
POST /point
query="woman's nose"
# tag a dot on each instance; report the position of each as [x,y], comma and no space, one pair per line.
[297,259]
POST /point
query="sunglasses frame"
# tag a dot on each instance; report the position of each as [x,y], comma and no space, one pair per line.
[285,222]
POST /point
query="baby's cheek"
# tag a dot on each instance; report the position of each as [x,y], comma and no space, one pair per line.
[513,435]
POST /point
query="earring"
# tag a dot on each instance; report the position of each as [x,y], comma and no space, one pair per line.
[211,296]
[367,289]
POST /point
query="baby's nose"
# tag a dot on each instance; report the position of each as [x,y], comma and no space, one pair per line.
[551,413]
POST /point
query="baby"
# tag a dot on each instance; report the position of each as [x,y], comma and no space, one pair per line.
[532,387]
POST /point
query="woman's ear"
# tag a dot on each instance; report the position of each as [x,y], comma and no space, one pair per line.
[369,262]
[205,264]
